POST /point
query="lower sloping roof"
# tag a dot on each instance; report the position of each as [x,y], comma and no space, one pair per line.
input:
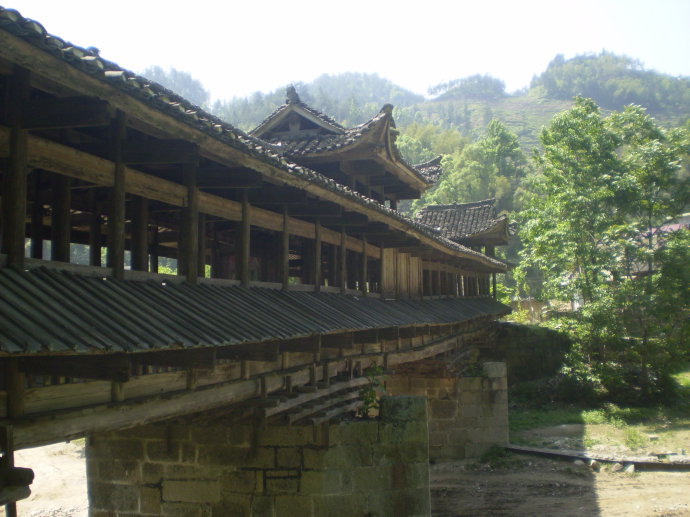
[44,311]
[462,221]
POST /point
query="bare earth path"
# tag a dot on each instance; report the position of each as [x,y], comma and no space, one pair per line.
[542,487]
[527,486]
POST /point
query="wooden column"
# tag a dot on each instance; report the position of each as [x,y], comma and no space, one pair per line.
[36,216]
[245,241]
[116,216]
[382,269]
[153,251]
[201,249]
[365,266]
[94,229]
[188,246]
[493,285]
[285,250]
[343,262]
[61,227]
[14,188]
[140,234]
[317,256]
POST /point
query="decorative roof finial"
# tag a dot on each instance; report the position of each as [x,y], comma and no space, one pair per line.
[292,97]
[387,108]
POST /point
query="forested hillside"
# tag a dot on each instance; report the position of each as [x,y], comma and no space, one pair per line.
[467,105]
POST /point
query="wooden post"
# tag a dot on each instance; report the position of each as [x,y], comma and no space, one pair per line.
[116,217]
[140,234]
[7,462]
[201,260]
[317,256]
[188,247]
[343,262]
[94,229]
[285,250]
[493,285]
[60,222]
[154,249]
[365,266]
[245,241]
[14,188]
[36,216]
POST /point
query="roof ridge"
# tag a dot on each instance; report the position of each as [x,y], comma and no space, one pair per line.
[168,102]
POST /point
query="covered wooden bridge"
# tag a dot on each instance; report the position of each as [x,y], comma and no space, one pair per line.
[286,284]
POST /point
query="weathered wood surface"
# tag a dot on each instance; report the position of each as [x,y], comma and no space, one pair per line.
[60,412]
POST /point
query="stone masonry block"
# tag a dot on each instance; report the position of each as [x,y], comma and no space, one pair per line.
[108,496]
[443,408]
[150,500]
[240,481]
[191,491]
[399,409]
[222,456]
[354,432]
[117,470]
[162,451]
[469,398]
[495,369]
[321,482]
[293,506]
[182,510]
[367,479]
[284,436]
[288,457]
[110,448]
[339,505]
[262,506]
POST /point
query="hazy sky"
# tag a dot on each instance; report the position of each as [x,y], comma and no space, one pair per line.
[236,47]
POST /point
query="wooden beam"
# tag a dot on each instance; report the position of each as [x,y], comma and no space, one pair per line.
[115,367]
[14,184]
[157,151]
[250,352]
[341,340]
[202,358]
[310,344]
[116,216]
[315,209]
[68,112]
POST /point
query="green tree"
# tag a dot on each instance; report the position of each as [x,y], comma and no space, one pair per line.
[591,231]
[491,167]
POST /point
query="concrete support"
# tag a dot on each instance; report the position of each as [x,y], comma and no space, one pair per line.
[467,415]
[200,468]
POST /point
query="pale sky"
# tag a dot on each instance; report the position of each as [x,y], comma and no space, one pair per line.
[238,47]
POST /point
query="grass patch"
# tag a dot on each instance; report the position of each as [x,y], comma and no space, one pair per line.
[524,419]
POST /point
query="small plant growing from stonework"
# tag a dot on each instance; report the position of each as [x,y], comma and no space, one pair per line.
[372,390]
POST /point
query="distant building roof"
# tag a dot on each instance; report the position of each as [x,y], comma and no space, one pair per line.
[430,170]
[467,223]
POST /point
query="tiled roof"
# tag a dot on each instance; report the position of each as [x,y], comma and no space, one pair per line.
[292,99]
[430,170]
[51,311]
[458,221]
[170,103]
[302,146]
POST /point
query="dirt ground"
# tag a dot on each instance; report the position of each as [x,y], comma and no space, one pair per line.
[519,486]
[531,486]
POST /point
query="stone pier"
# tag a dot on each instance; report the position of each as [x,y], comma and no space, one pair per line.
[467,414]
[201,467]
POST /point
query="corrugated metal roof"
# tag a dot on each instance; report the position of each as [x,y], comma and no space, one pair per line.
[51,311]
